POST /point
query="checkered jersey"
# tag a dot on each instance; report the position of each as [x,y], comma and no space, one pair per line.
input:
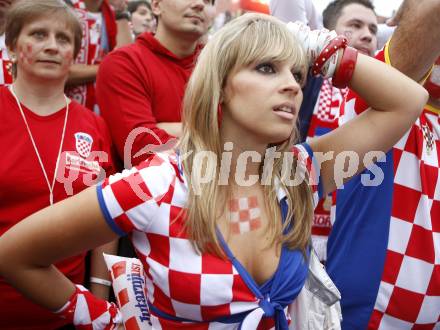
[148,202]
[325,119]
[409,291]
[326,112]
[90,53]
[5,64]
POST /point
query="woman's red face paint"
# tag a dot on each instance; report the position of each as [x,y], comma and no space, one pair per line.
[45,49]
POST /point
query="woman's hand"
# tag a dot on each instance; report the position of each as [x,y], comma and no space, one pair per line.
[313,42]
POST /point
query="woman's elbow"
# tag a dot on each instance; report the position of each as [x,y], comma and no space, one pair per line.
[419,98]
[5,257]
[412,102]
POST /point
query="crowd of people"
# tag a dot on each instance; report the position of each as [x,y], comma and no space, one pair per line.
[227,158]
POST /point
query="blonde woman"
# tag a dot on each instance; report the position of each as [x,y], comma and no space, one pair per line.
[222,225]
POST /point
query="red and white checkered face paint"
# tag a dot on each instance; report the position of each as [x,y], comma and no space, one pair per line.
[129,287]
[245,214]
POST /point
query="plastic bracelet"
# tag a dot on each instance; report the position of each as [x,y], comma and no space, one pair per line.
[329,50]
[346,68]
[98,280]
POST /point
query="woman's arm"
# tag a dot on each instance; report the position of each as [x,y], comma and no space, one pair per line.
[28,250]
[98,269]
[174,129]
[82,74]
[395,103]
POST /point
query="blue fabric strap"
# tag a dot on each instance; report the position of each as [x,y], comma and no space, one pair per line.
[284,286]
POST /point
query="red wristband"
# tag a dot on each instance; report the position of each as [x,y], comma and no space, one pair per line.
[333,46]
[346,68]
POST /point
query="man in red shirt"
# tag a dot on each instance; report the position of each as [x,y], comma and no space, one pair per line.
[141,86]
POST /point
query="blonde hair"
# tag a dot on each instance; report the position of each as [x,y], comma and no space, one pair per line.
[244,40]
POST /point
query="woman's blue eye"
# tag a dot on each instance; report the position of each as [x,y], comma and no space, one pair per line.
[265,68]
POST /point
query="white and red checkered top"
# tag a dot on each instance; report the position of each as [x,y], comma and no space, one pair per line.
[202,291]
[385,255]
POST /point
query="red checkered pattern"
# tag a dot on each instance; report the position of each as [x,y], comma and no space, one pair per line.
[409,293]
[329,101]
[83,148]
[327,108]
[87,312]
[5,64]
[180,281]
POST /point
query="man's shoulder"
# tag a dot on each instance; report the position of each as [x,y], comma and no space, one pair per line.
[129,58]
[138,49]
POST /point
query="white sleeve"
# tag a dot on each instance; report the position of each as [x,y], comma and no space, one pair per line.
[288,10]
[296,10]
[314,18]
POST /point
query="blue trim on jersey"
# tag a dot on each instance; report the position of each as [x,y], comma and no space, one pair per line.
[247,278]
[315,165]
[310,97]
[108,218]
[229,319]
[358,243]
[319,131]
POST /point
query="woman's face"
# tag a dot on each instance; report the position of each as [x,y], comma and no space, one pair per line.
[44,49]
[143,20]
[262,101]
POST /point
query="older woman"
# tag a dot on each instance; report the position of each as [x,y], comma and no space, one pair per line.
[53,147]
[223,239]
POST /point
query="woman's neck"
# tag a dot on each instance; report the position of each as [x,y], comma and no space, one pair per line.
[244,169]
[42,99]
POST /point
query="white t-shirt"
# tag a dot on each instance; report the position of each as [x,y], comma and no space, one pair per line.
[296,10]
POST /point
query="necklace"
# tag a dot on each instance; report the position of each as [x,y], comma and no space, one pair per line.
[49,186]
